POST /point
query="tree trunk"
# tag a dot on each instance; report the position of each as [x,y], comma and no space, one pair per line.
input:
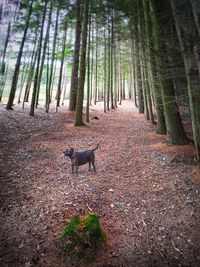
[133,52]
[61,67]
[51,71]
[23,78]
[145,87]
[96,67]
[115,71]
[80,92]
[3,64]
[36,78]
[143,67]
[44,51]
[5,77]
[195,9]
[119,76]
[18,62]
[1,12]
[92,67]
[137,62]
[175,131]
[108,72]
[31,70]
[111,62]
[197,56]
[193,88]
[75,68]
[4,50]
[161,129]
[88,69]
[105,70]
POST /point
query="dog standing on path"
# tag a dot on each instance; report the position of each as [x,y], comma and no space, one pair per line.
[81,158]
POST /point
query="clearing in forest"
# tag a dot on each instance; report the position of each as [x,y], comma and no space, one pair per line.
[145,191]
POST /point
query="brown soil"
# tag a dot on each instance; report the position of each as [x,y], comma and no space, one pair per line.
[145,191]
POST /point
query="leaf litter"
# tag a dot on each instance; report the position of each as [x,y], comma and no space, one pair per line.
[145,191]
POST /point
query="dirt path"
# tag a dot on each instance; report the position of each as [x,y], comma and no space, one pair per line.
[145,191]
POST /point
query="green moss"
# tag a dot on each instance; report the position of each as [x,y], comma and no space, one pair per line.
[82,236]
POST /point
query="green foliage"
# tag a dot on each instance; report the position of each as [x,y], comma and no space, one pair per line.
[68,52]
[24,4]
[82,236]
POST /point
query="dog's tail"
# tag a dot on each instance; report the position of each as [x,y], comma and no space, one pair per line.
[95,147]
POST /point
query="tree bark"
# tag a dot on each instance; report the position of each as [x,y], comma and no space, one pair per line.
[137,62]
[51,71]
[75,68]
[161,127]
[195,10]
[96,67]
[31,70]
[105,70]
[88,69]
[193,88]
[36,77]
[44,51]
[111,62]
[175,131]
[81,82]
[61,68]
[108,69]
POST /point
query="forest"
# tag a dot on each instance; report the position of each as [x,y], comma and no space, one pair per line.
[124,74]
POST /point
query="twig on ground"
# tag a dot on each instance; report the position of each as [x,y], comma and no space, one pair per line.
[175,248]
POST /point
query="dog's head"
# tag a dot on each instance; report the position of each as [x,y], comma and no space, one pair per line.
[68,152]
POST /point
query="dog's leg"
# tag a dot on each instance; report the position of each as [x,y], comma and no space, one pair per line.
[77,169]
[89,166]
[93,164]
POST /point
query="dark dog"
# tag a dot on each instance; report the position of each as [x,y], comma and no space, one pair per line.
[81,158]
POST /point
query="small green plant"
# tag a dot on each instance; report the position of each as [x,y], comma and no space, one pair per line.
[82,236]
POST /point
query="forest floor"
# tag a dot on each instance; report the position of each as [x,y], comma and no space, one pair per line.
[145,191]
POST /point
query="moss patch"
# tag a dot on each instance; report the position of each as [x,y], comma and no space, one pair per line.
[82,237]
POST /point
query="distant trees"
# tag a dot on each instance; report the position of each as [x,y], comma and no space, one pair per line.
[18,61]
[3,64]
[144,50]
[8,15]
